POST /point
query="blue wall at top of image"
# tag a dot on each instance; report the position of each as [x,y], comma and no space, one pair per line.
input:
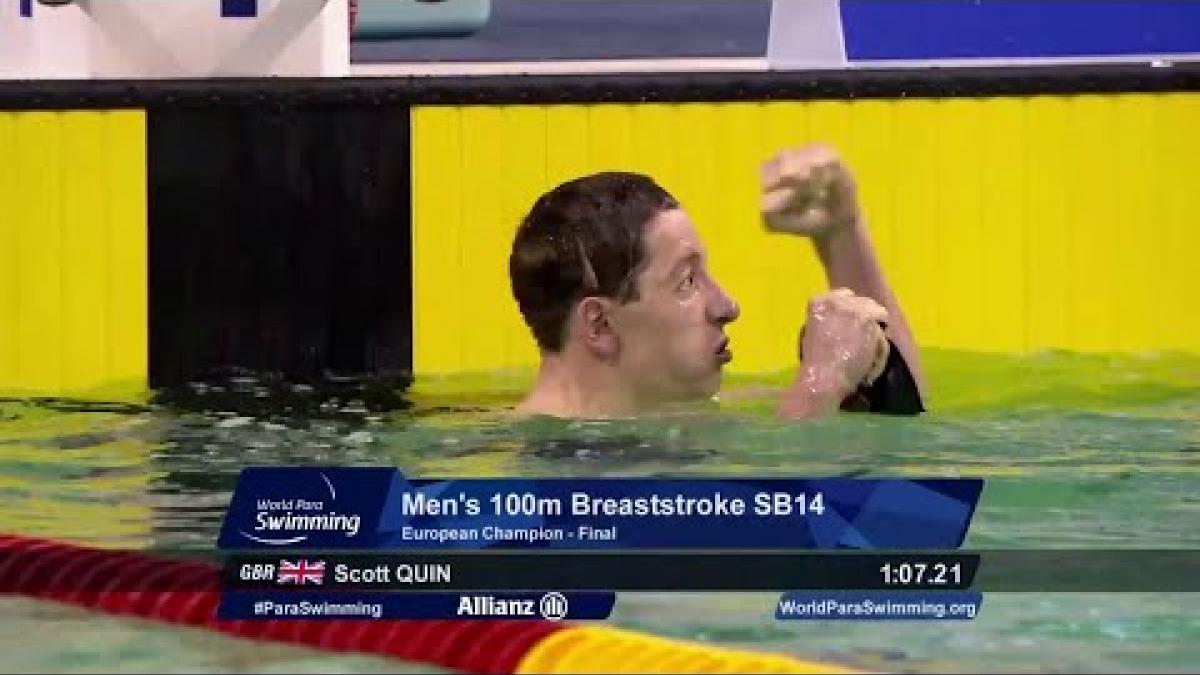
[243,9]
[933,29]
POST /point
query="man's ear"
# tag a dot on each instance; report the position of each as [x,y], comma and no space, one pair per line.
[595,327]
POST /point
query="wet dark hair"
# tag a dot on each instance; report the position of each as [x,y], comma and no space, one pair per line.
[584,237]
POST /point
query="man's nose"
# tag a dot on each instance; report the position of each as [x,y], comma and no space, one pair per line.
[723,309]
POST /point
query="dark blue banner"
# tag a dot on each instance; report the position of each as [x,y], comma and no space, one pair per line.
[1017,29]
[245,9]
[377,508]
[551,606]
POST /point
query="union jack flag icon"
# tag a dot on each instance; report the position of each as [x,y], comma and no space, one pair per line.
[301,572]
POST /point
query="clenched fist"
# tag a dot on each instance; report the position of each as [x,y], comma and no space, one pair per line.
[843,342]
[808,191]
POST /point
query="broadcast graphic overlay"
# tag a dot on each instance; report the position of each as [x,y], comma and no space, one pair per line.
[371,543]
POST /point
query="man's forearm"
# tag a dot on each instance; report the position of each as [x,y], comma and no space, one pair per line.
[815,392]
[850,262]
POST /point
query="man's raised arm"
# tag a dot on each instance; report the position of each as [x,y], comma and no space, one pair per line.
[810,192]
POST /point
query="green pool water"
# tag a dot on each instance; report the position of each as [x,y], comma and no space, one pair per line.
[1077,452]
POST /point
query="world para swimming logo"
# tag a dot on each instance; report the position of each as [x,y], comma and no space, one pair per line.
[292,519]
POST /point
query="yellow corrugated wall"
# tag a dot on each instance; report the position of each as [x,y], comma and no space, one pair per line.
[1006,224]
[73,253]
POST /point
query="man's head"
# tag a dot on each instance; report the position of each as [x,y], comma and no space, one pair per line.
[609,269]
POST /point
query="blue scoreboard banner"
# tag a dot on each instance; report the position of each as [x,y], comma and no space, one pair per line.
[380,509]
[551,605]
[1017,30]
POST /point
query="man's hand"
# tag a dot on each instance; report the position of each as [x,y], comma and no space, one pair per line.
[808,191]
[842,346]
[842,338]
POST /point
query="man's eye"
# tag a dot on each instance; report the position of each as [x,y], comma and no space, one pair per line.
[688,281]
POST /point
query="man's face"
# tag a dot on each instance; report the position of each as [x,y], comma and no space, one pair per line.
[671,339]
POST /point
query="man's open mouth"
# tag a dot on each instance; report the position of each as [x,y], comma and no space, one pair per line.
[723,353]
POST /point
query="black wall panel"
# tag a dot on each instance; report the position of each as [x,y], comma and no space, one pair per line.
[279,241]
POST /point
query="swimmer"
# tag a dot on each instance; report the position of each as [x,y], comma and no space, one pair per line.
[613,281]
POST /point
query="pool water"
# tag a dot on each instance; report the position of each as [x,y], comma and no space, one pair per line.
[1078,452]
